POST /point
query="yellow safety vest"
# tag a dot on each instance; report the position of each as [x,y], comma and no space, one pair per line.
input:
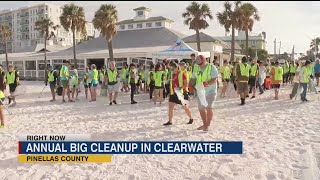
[278,73]
[306,72]
[293,68]
[135,79]
[203,76]
[51,76]
[124,73]
[112,75]
[75,80]
[11,77]
[67,73]
[253,70]
[158,78]
[244,70]
[226,71]
[149,77]
[2,95]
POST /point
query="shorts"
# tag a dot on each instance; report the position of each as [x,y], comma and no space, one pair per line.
[242,87]
[158,87]
[94,85]
[226,80]
[65,83]
[87,85]
[12,87]
[276,86]
[317,75]
[210,100]
[174,98]
[52,86]
[113,88]
[252,81]
[292,74]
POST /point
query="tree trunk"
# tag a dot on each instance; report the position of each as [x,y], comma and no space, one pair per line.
[247,42]
[6,51]
[232,42]
[198,40]
[45,59]
[74,48]
[110,48]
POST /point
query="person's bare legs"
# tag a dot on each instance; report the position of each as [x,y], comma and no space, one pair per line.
[94,94]
[161,96]
[254,91]
[86,92]
[68,93]
[171,111]
[115,95]
[63,93]
[91,94]
[203,115]
[155,95]
[1,115]
[317,79]
[276,92]
[209,118]
[224,89]
[187,111]
[73,91]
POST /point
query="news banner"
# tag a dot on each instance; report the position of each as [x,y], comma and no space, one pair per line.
[81,148]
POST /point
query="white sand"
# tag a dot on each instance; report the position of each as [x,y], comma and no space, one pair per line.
[281,138]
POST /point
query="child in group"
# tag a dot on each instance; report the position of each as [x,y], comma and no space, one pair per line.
[75,85]
[158,89]
[133,80]
[87,82]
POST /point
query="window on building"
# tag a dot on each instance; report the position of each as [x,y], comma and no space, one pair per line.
[30,65]
[140,13]
[149,24]
[139,25]
[130,26]
[122,26]
[158,24]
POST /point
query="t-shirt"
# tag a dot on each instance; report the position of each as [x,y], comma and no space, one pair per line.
[65,70]
[175,80]
[317,68]
[212,89]
[262,72]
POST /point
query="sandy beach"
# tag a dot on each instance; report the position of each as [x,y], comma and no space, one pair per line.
[281,139]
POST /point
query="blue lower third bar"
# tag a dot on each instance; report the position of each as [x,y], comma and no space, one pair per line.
[139,147]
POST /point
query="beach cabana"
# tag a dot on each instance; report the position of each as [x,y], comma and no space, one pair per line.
[179,50]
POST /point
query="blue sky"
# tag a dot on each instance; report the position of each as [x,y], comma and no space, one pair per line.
[294,23]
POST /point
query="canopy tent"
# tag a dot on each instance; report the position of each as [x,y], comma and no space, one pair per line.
[180,50]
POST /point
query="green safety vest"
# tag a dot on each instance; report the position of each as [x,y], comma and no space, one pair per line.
[75,79]
[226,71]
[244,70]
[143,74]
[112,75]
[149,77]
[101,75]
[51,76]
[2,95]
[95,75]
[203,76]
[293,68]
[86,78]
[11,77]
[285,68]
[124,73]
[253,70]
[135,79]
[278,73]
[306,72]
[158,78]
[67,73]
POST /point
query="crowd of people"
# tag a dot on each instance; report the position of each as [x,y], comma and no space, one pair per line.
[175,81]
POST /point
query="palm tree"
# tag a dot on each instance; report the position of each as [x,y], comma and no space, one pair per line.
[73,18]
[229,18]
[315,44]
[45,27]
[195,17]
[249,14]
[6,34]
[105,19]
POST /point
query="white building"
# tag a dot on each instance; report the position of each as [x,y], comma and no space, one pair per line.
[22,23]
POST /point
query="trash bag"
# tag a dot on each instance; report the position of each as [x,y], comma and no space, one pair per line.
[201,93]
[59,91]
[181,97]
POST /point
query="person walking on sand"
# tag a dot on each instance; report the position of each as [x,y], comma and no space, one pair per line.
[225,76]
[64,78]
[286,72]
[261,77]
[158,79]
[276,73]
[254,72]
[75,84]
[292,72]
[206,75]
[13,81]
[124,77]
[317,71]
[133,80]
[179,80]
[150,81]
[242,76]
[87,82]
[53,82]
[305,74]
[112,81]
[94,75]
[2,96]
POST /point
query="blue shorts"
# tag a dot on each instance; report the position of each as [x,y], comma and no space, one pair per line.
[94,85]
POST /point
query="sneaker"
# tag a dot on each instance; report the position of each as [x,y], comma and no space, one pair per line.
[110,103]
[168,123]
[133,102]
[114,102]
[253,97]
[190,121]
